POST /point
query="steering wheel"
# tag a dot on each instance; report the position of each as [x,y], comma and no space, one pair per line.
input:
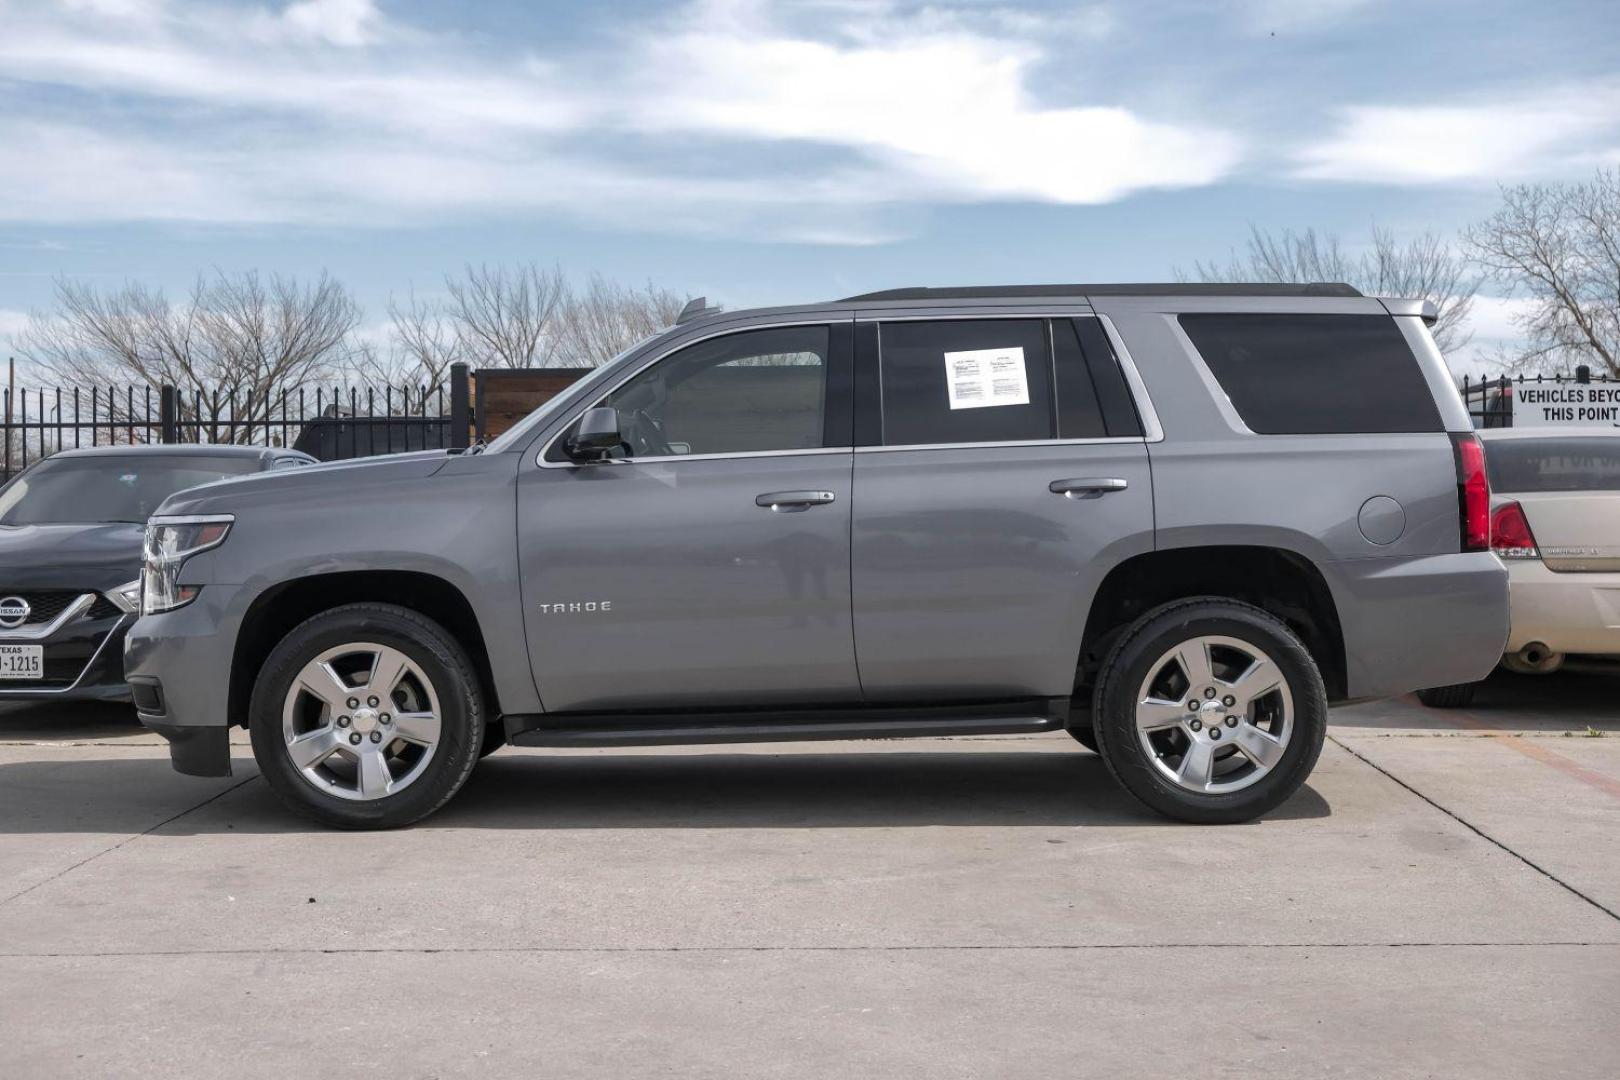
[646,436]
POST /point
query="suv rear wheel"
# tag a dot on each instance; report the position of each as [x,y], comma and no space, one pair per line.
[368,716]
[1210,711]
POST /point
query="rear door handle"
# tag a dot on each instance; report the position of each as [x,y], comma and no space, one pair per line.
[792,502]
[1088,487]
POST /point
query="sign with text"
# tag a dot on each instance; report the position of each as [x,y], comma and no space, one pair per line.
[1556,405]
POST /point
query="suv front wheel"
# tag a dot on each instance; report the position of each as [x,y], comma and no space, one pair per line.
[368,716]
[1210,711]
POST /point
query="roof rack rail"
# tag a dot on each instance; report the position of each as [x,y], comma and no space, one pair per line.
[1310,289]
[696,308]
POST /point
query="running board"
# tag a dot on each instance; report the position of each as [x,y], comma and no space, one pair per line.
[671,729]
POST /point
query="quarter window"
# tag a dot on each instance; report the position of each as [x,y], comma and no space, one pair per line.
[1316,374]
[748,392]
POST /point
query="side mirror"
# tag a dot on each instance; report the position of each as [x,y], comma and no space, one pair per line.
[597,435]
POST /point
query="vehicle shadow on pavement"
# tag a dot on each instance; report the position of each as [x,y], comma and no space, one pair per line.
[1562,701]
[677,791]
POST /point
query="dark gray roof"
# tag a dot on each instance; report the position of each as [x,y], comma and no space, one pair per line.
[974,292]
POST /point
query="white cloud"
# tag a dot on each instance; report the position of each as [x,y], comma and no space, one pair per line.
[1525,136]
[803,121]
[341,22]
[1493,323]
[950,111]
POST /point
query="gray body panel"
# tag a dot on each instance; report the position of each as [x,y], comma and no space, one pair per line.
[714,600]
[972,579]
[934,575]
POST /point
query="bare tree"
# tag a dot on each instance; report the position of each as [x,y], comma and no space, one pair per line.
[528,316]
[507,317]
[238,339]
[607,318]
[1424,267]
[1559,244]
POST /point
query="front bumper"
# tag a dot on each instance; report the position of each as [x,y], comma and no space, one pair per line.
[181,663]
[1413,623]
[1567,612]
[83,662]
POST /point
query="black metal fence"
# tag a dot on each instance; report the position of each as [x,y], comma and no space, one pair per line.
[330,423]
[1588,399]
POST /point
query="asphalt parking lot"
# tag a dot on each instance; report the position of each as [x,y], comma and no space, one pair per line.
[1443,899]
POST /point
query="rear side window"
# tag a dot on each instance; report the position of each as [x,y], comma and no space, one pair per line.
[965,381]
[1316,374]
[1001,380]
[1525,466]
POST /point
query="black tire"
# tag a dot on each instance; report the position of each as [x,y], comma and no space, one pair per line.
[1085,736]
[1128,665]
[442,661]
[1455,696]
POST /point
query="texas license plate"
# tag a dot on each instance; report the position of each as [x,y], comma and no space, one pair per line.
[22,661]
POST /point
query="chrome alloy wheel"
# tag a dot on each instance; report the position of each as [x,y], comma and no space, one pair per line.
[361,721]
[1214,714]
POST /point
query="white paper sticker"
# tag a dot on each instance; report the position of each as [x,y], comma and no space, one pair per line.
[984,377]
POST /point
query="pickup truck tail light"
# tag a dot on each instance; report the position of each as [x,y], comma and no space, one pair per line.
[1511,537]
[1473,492]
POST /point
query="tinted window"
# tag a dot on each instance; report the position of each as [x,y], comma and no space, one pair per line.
[743,393]
[1522,466]
[965,381]
[66,491]
[1079,412]
[1315,374]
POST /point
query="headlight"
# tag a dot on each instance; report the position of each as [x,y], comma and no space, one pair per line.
[126,598]
[170,541]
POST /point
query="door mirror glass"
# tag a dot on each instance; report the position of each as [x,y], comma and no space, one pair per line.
[596,436]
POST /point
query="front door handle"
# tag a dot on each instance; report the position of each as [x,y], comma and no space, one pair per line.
[792,502]
[1089,487]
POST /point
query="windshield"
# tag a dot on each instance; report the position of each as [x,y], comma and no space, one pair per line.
[76,491]
[1525,466]
[520,431]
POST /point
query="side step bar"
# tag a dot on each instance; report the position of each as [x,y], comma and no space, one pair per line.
[674,729]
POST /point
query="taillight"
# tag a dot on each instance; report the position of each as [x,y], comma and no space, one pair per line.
[1473,492]
[1511,537]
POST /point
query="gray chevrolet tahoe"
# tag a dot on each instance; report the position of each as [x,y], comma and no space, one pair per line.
[1175,521]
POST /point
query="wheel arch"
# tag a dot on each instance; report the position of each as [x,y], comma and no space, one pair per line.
[1282,582]
[283,606]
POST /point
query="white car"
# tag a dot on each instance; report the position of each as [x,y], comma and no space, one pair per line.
[1555,523]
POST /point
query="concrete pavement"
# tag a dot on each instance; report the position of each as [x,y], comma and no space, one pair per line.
[1439,901]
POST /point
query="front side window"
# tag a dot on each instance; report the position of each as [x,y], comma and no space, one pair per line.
[965,381]
[749,392]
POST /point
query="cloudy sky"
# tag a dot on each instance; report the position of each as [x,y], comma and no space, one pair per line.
[765,151]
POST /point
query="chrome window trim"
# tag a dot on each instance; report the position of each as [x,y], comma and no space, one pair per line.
[46,691]
[742,328]
[1115,440]
[16,635]
[1152,430]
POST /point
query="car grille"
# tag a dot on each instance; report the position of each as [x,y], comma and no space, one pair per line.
[44,606]
[70,649]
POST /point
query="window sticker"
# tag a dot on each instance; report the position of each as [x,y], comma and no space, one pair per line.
[981,378]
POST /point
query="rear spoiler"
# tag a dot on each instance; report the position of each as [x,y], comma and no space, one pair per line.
[1401,305]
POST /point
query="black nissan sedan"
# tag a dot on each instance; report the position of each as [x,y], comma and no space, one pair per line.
[71,529]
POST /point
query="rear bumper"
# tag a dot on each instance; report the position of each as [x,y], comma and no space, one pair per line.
[1567,612]
[1414,623]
